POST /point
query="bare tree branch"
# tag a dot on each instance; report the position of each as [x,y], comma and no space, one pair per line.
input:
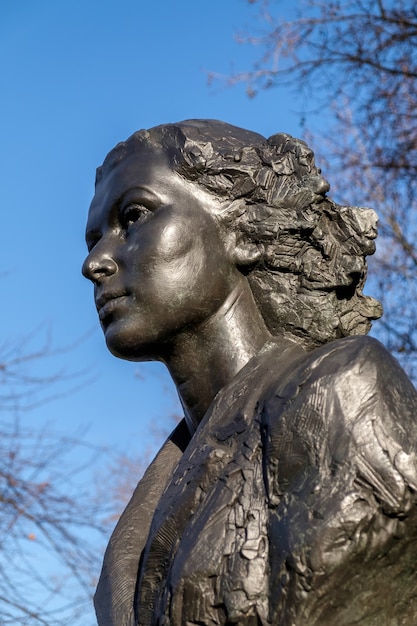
[51,525]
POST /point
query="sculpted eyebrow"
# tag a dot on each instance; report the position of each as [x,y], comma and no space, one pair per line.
[144,192]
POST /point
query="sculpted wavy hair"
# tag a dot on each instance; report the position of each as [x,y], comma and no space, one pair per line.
[309,268]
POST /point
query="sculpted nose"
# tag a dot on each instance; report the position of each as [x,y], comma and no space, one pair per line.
[97,267]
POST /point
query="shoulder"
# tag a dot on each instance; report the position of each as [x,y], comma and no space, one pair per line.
[362,374]
[348,404]
[362,360]
[362,355]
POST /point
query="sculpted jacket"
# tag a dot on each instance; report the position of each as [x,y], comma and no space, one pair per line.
[294,503]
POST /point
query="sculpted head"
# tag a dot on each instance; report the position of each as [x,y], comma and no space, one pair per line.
[191,208]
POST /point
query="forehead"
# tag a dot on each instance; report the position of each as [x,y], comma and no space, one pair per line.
[146,168]
[141,165]
[145,171]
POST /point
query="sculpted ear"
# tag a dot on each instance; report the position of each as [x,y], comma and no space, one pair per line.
[246,252]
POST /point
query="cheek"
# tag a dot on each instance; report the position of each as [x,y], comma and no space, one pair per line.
[175,241]
[182,261]
[194,258]
[164,263]
[184,255]
[169,253]
[158,242]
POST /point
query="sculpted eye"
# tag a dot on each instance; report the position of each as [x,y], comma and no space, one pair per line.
[133,213]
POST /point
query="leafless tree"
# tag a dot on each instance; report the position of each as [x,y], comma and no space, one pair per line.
[356,60]
[50,524]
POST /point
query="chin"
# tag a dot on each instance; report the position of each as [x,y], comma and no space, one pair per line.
[124,345]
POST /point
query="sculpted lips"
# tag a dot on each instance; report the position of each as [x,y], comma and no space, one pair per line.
[108,302]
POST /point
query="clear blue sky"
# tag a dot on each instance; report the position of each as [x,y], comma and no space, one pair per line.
[77,77]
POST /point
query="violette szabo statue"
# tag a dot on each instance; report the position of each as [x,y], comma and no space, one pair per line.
[287,495]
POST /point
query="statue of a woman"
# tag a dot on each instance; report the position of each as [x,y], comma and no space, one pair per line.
[287,495]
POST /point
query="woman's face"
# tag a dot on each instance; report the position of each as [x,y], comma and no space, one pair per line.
[157,257]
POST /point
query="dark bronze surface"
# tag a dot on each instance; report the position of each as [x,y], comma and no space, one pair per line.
[287,495]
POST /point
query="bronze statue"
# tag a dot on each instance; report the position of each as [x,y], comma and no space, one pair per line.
[287,495]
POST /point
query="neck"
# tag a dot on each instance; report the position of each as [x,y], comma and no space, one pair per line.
[205,359]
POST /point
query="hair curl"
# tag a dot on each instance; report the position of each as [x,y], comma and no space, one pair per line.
[311,270]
